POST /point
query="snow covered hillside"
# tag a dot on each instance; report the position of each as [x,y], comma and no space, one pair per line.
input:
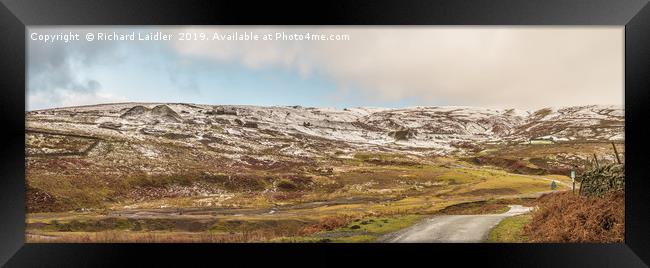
[307,132]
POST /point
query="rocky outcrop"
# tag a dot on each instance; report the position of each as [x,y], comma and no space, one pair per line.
[402,135]
[137,110]
[223,111]
[110,125]
[247,124]
[158,113]
[165,113]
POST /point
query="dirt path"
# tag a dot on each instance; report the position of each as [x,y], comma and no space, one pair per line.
[452,228]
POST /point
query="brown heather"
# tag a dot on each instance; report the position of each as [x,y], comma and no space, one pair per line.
[567,217]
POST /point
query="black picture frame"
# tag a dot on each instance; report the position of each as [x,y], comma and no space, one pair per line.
[16,15]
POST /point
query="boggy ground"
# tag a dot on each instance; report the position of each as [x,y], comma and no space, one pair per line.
[348,200]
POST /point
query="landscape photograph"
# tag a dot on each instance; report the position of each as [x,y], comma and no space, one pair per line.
[325,135]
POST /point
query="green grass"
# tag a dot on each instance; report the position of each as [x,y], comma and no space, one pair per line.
[356,239]
[358,231]
[381,156]
[473,208]
[381,225]
[367,229]
[510,230]
[298,239]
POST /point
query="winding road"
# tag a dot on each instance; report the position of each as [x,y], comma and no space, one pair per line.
[452,228]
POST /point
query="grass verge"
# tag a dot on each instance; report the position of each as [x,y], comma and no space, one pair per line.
[510,230]
[357,231]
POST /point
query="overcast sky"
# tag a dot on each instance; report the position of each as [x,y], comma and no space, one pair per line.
[499,67]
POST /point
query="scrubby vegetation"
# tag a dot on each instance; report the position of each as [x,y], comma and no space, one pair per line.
[337,207]
[568,217]
[326,224]
[594,214]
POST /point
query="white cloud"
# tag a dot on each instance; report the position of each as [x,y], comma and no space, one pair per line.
[525,67]
[55,71]
[67,98]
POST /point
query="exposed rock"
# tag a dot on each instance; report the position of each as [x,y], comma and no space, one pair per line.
[402,135]
[160,113]
[599,181]
[110,125]
[224,111]
[165,113]
[222,121]
[247,124]
[250,124]
[135,111]
[152,132]
[325,171]
[176,136]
